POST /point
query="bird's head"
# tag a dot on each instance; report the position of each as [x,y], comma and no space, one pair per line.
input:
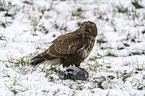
[88,29]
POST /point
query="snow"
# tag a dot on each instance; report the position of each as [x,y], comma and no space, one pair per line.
[123,32]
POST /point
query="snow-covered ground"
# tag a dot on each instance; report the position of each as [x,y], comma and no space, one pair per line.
[28,27]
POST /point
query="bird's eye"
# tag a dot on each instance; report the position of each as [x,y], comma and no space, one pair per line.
[90,33]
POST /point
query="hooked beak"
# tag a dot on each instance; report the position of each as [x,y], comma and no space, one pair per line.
[92,38]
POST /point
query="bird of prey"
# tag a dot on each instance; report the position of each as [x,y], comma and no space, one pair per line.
[71,48]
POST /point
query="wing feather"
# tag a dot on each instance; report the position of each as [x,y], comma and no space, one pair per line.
[65,45]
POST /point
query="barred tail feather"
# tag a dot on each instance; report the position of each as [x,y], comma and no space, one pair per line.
[40,58]
[36,61]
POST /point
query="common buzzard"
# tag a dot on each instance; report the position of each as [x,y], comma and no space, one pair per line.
[71,48]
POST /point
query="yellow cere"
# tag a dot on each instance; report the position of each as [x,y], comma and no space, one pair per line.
[95,38]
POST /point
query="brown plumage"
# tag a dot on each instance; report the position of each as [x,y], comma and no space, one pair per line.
[71,48]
